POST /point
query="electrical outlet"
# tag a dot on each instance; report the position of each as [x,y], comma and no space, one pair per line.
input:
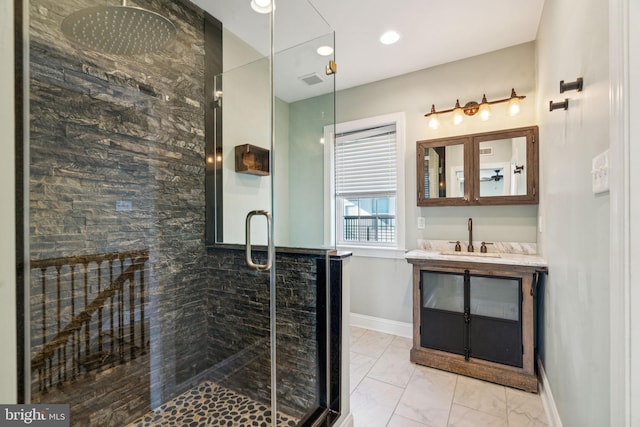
[421,223]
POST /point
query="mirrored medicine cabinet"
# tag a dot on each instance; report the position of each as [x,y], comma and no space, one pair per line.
[492,168]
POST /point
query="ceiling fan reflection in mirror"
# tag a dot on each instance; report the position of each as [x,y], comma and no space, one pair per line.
[497,177]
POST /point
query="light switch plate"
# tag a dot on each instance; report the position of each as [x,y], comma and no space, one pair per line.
[421,223]
[600,173]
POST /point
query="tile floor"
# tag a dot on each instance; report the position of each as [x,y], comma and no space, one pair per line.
[388,390]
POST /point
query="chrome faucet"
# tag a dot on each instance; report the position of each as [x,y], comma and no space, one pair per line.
[470,226]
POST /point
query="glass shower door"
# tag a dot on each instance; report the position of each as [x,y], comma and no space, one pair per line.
[133,316]
[304,103]
[267,160]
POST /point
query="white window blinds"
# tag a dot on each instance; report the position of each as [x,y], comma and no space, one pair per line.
[366,161]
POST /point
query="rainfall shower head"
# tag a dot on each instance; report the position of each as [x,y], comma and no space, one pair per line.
[122,30]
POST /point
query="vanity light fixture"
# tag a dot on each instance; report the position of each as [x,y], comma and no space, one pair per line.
[471,108]
[262,6]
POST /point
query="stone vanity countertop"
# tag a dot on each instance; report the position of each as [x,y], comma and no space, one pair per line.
[499,253]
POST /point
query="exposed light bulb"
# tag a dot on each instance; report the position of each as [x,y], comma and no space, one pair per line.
[434,123]
[485,113]
[458,114]
[514,103]
[514,106]
[263,3]
[485,110]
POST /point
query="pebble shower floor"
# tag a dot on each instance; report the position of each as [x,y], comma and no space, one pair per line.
[211,405]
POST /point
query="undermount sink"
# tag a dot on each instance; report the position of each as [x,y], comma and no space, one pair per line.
[472,254]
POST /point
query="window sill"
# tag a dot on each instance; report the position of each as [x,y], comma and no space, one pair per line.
[374,251]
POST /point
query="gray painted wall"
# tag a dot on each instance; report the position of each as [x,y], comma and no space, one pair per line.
[575,233]
[307,120]
[382,287]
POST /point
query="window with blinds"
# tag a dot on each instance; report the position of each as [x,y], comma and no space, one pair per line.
[366,186]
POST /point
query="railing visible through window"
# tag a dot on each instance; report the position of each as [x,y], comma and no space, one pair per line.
[379,228]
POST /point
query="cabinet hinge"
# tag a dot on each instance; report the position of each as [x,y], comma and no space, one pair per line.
[467,316]
[535,283]
[467,353]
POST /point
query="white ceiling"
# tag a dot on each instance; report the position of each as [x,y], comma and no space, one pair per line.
[432,32]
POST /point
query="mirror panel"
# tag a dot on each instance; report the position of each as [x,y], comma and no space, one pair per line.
[502,166]
[442,168]
[444,171]
[494,168]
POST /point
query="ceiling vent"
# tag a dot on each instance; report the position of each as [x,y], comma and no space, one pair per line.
[311,79]
[488,151]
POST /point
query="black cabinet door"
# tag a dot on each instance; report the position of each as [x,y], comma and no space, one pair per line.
[492,327]
[495,327]
[442,311]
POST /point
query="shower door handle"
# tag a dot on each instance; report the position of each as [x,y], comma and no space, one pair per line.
[250,262]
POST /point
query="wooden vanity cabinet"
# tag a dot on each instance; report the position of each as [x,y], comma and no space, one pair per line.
[476,319]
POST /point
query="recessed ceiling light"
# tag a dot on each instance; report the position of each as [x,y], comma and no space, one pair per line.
[262,6]
[390,37]
[325,50]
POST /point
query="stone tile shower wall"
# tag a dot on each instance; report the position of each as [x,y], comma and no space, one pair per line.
[117,164]
[238,313]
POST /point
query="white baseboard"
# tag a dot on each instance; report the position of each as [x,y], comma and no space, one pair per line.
[547,398]
[346,422]
[382,325]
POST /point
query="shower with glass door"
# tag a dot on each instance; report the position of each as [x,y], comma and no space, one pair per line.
[154,293]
